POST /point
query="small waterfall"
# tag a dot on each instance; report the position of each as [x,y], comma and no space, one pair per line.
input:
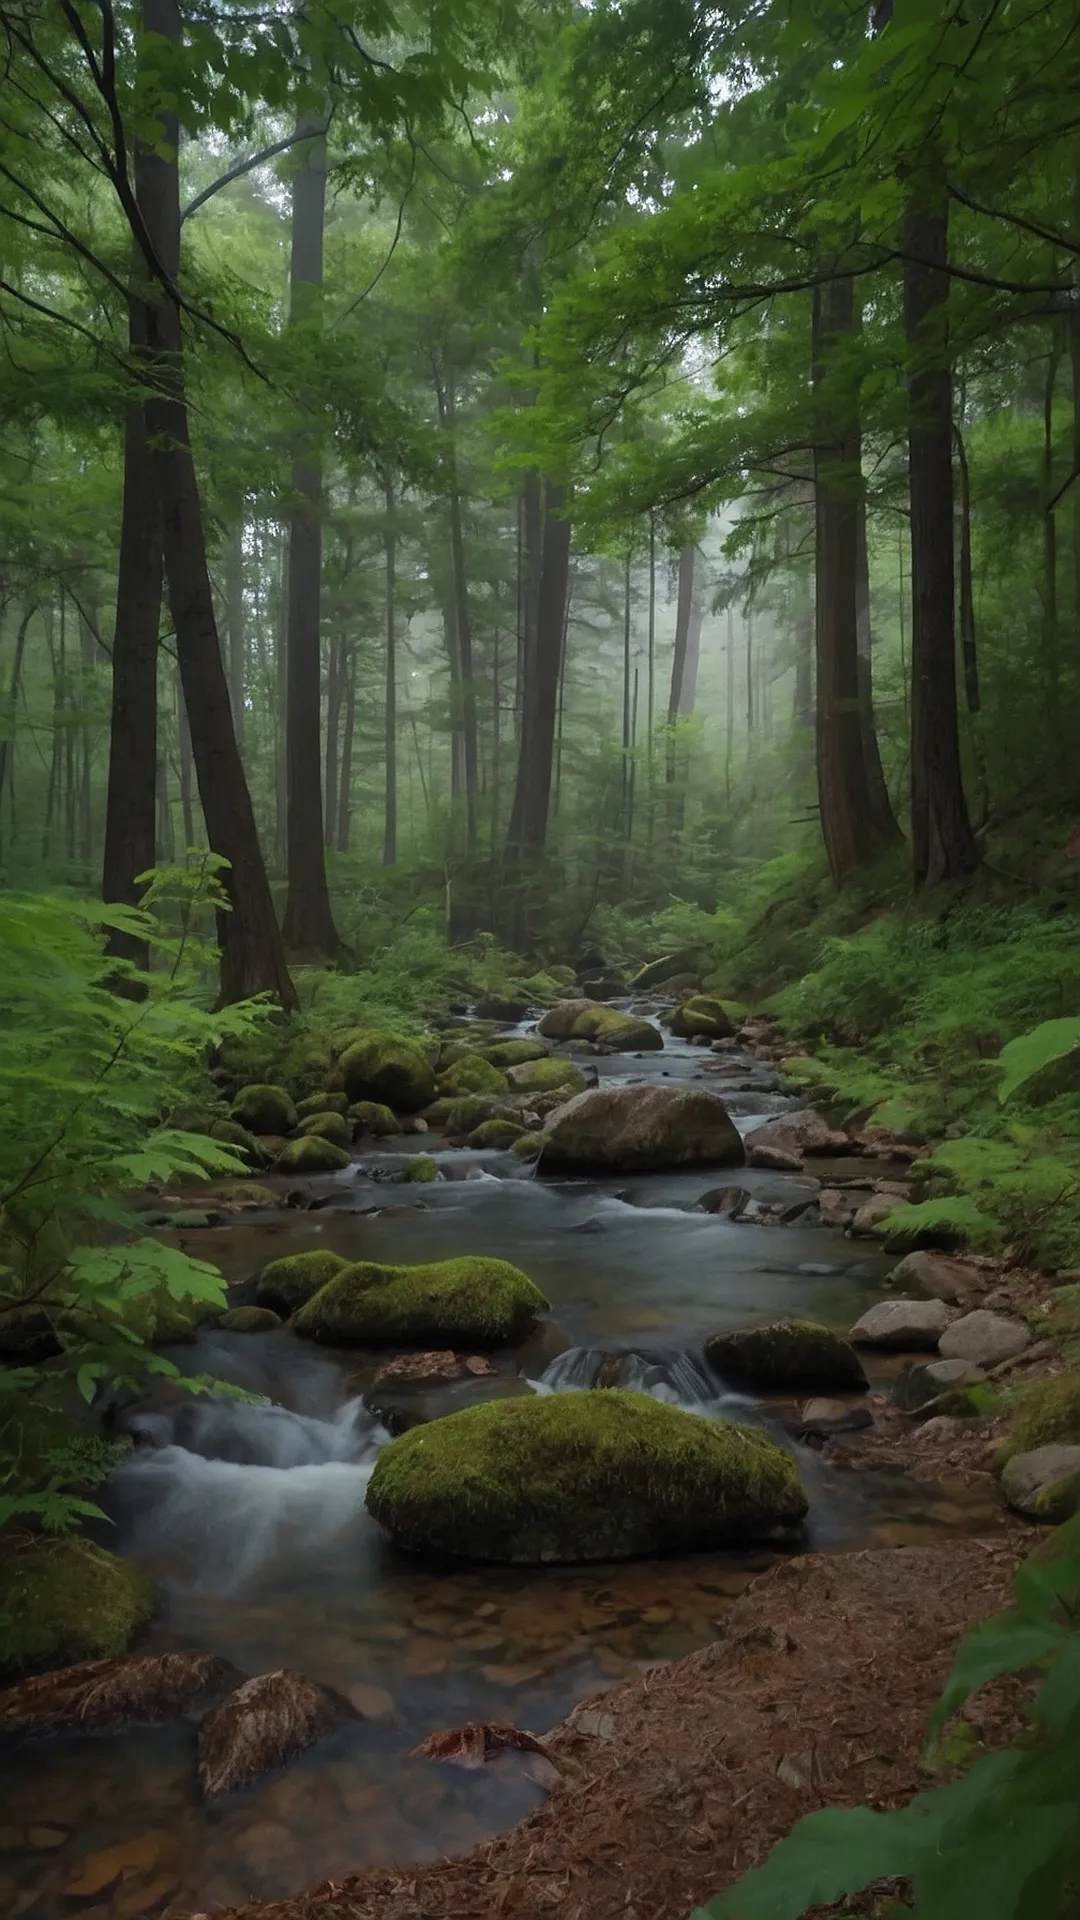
[676,1377]
[221,1428]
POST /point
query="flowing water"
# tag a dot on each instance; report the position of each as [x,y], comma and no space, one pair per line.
[251,1519]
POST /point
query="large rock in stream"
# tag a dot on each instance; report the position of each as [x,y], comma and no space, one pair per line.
[640,1129]
[786,1354]
[612,1031]
[578,1477]
[467,1302]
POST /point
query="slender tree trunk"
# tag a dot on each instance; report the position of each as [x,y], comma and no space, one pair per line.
[447,407]
[683,609]
[527,833]
[7,740]
[390,707]
[166,837]
[308,921]
[335,689]
[344,812]
[650,695]
[280,707]
[252,956]
[1074,363]
[624,771]
[496,747]
[885,822]
[943,845]
[968,642]
[729,744]
[184,768]
[234,607]
[1050,634]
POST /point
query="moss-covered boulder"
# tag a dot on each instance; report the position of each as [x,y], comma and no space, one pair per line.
[389,1071]
[250,1320]
[580,1476]
[421,1170]
[499,1133]
[472,1074]
[547,1076]
[306,1065]
[231,1134]
[529,1146]
[63,1600]
[514,1053]
[507,1008]
[327,1126]
[311,1154]
[641,1129]
[786,1355]
[370,1116]
[614,1032]
[287,1283]
[1045,1483]
[1042,1413]
[324,1102]
[462,1117]
[656,972]
[452,1303]
[264,1109]
[701,1014]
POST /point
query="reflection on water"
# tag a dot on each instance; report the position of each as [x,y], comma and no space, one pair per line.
[252,1519]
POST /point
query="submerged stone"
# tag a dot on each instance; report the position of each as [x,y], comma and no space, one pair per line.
[786,1354]
[264,1723]
[463,1302]
[422,1169]
[578,1477]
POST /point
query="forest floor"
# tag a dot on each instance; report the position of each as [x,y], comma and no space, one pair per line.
[816,1693]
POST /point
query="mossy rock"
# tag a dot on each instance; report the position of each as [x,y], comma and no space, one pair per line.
[323,1102]
[264,1109]
[701,1014]
[63,1600]
[287,1283]
[496,1133]
[579,1477]
[310,1154]
[389,1071]
[250,1320]
[502,1007]
[232,1134]
[243,1193]
[327,1126]
[548,1076]
[609,1029]
[787,1354]
[422,1170]
[515,1053]
[1062,1544]
[657,972]
[306,1065]
[529,1146]
[370,1116]
[472,1074]
[463,1116]
[1040,1413]
[452,1303]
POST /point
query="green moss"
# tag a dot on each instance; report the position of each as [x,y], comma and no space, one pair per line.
[285,1284]
[306,1065]
[422,1169]
[495,1133]
[1062,1544]
[464,1116]
[483,1302]
[786,1354]
[580,1476]
[264,1109]
[1041,1412]
[619,1032]
[64,1600]
[231,1134]
[549,1076]
[1059,1501]
[390,1071]
[529,1146]
[249,1320]
[505,1007]
[327,1126]
[515,1053]
[310,1154]
[243,1193]
[473,1074]
[701,1014]
[370,1116]
[323,1102]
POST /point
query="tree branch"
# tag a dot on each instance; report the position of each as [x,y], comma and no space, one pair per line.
[246,166]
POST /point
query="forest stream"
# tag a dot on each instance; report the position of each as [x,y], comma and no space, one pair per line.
[251,1519]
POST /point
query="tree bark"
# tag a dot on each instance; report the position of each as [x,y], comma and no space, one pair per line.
[234,603]
[1050,635]
[348,733]
[446,403]
[390,708]
[308,921]
[885,822]
[942,843]
[527,833]
[252,955]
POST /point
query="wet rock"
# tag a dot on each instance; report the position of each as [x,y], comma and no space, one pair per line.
[285,1284]
[64,1599]
[786,1354]
[603,986]
[640,1128]
[379,1068]
[431,1369]
[608,1029]
[934,1274]
[370,1702]
[322,1103]
[415,1123]
[899,1325]
[371,1116]
[802,1132]
[421,1170]
[249,1320]
[826,1417]
[101,1696]
[472,1074]
[702,1017]
[548,1076]
[772,1159]
[869,1221]
[500,1133]
[262,1725]
[917,1386]
[310,1154]
[985,1339]
[728,1200]
[327,1126]
[264,1109]
[795,1209]
[838,1209]
[1044,1484]
[469,1301]
[580,1476]
[500,1007]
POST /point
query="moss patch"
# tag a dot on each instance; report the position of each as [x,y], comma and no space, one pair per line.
[617,1032]
[464,1116]
[496,1133]
[787,1353]
[530,1146]
[1041,1412]
[701,1014]
[422,1169]
[64,1600]
[514,1053]
[264,1109]
[249,1320]
[389,1071]
[232,1134]
[287,1283]
[568,1477]
[310,1154]
[370,1116]
[327,1126]
[549,1076]
[322,1103]
[486,1303]
[473,1074]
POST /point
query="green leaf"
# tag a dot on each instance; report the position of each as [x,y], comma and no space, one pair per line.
[1026,1056]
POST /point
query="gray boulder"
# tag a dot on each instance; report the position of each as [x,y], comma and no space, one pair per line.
[901,1325]
[802,1132]
[1044,1484]
[985,1339]
[933,1274]
[917,1386]
[632,1129]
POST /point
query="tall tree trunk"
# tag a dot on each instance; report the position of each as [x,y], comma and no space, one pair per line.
[624,771]
[942,843]
[683,610]
[7,734]
[390,705]
[234,609]
[335,688]
[184,770]
[885,822]
[130,834]
[308,921]
[348,734]
[252,955]
[650,683]
[527,833]
[848,826]
[446,402]
[1050,635]
[729,742]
